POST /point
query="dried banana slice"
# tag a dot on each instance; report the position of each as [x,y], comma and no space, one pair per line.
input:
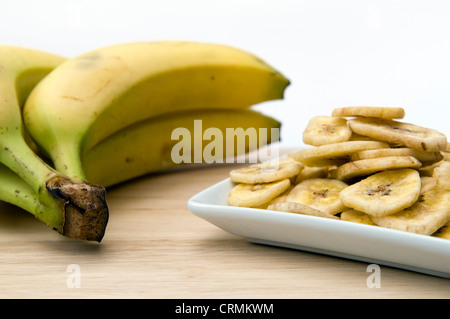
[311,172]
[266,172]
[446,156]
[356,216]
[446,153]
[370,111]
[427,183]
[384,193]
[256,195]
[422,156]
[322,130]
[443,232]
[298,208]
[442,175]
[369,166]
[359,137]
[333,154]
[406,134]
[425,217]
[319,193]
[428,170]
[278,199]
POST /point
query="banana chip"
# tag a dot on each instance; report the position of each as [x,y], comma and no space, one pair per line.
[428,170]
[355,216]
[384,193]
[410,135]
[370,111]
[446,156]
[443,232]
[299,208]
[367,167]
[422,156]
[278,199]
[319,193]
[425,217]
[267,172]
[427,183]
[334,154]
[311,172]
[442,174]
[322,130]
[256,195]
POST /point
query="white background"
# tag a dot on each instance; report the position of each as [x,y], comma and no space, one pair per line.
[336,53]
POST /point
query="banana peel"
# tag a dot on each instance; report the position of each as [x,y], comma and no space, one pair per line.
[149,146]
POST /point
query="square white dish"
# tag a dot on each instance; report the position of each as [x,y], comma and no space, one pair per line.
[372,244]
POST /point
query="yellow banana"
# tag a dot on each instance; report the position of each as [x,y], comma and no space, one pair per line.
[50,196]
[149,146]
[90,97]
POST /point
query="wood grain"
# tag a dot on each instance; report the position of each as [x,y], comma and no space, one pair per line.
[155,248]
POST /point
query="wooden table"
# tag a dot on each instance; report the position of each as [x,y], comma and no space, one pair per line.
[155,248]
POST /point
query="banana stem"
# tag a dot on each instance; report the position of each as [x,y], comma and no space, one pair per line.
[15,191]
[85,210]
[75,209]
[67,161]
[24,162]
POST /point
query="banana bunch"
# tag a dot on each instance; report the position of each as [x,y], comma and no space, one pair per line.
[74,208]
[108,115]
[80,114]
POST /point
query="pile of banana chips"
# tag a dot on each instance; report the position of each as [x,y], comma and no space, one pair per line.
[364,166]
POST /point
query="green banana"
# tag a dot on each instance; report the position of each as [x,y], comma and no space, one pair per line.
[92,96]
[16,191]
[148,146]
[28,181]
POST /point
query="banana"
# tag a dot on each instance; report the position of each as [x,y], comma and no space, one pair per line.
[370,111]
[92,96]
[391,131]
[323,130]
[319,193]
[384,193]
[256,195]
[148,146]
[63,204]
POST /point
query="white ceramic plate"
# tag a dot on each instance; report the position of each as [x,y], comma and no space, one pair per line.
[372,244]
